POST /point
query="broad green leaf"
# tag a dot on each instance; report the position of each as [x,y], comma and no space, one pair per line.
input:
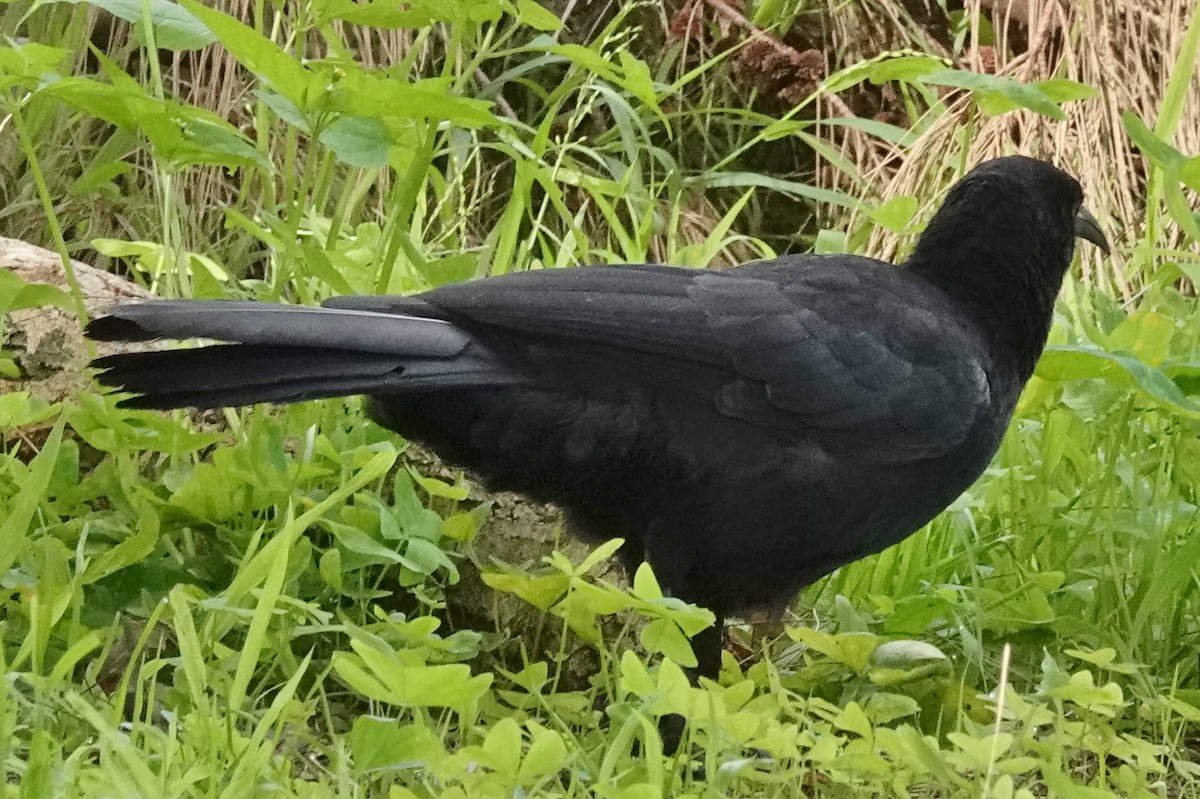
[31,61]
[1073,362]
[637,80]
[440,488]
[906,68]
[884,708]
[409,14]
[377,743]
[502,747]
[174,27]
[1081,689]
[382,96]
[635,678]
[358,141]
[995,94]
[853,719]
[547,754]
[665,637]
[1144,334]
[449,685]
[541,592]
[851,649]
[330,568]
[1189,173]
[1061,90]
[20,408]
[645,584]
[426,558]
[131,550]
[17,295]
[537,17]
[896,214]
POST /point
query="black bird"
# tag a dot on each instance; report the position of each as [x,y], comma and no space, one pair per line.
[747,431]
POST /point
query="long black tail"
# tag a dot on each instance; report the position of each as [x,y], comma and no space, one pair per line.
[284,353]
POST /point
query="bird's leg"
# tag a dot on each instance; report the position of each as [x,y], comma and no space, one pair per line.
[706,645]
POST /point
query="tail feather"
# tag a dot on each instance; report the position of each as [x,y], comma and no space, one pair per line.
[281,325]
[284,356]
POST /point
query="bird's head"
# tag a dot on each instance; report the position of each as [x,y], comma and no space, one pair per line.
[1000,245]
[1024,213]
[1054,198]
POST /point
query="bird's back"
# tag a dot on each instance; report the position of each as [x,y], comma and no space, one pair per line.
[738,496]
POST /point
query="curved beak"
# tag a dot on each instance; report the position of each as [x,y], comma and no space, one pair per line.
[1086,227]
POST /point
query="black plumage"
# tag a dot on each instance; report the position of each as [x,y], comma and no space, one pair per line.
[747,431]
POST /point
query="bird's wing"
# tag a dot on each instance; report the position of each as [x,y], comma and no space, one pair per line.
[852,353]
[867,362]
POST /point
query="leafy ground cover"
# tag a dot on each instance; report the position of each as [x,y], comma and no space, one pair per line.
[253,603]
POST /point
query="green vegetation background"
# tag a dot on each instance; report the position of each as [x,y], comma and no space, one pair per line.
[252,604]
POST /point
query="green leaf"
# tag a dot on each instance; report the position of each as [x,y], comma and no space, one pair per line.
[1061,785]
[745,179]
[1189,173]
[997,95]
[454,268]
[330,568]
[502,747]
[440,488]
[14,529]
[645,584]
[599,554]
[129,551]
[17,295]
[882,69]
[1179,85]
[635,678]
[1072,362]
[636,79]
[884,708]
[665,637]
[541,592]
[547,754]
[378,744]
[414,519]
[409,14]
[896,214]
[20,408]
[425,557]
[535,16]
[174,27]
[853,719]
[1159,152]
[384,97]
[1061,90]
[31,61]
[460,527]
[358,141]
[1083,691]
[449,685]
[851,649]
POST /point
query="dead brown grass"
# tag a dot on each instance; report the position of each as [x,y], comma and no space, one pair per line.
[1124,48]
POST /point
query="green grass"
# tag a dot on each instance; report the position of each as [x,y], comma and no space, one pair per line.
[255,603]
